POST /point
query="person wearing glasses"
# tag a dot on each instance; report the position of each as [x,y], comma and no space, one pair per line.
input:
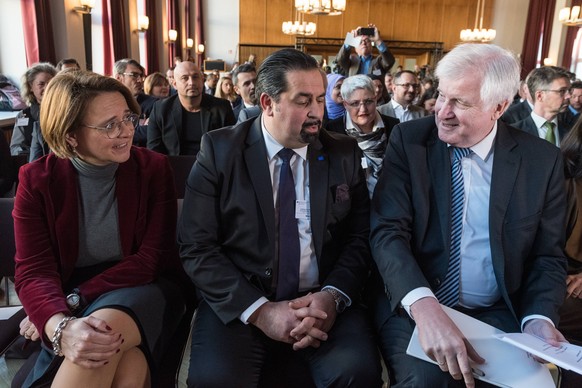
[549,87]
[363,122]
[405,88]
[95,228]
[130,73]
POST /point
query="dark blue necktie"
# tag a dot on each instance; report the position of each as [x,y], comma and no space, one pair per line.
[448,293]
[289,256]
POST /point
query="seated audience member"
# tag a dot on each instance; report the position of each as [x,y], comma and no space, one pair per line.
[225,90]
[361,60]
[170,78]
[405,89]
[177,123]
[365,124]
[156,85]
[549,87]
[130,73]
[68,63]
[243,79]
[571,311]
[388,79]
[275,280]
[34,82]
[468,213]
[102,291]
[428,101]
[334,102]
[6,168]
[570,116]
[380,93]
[210,83]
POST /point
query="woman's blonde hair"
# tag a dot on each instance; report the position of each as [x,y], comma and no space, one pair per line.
[220,94]
[65,102]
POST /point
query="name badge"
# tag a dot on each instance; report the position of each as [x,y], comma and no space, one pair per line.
[364,163]
[302,210]
[377,72]
[22,122]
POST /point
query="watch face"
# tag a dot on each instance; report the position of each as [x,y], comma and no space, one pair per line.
[73,300]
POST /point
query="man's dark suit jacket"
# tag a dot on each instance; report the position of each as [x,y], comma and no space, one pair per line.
[165,124]
[227,232]
[568,118]
[248,113]
[516,112]
[529,126]
[410,222]
[350,62]
[339,125]
[146,104]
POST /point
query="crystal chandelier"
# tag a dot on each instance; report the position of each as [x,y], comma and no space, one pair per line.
[321,7]
[570,18]
[480,34]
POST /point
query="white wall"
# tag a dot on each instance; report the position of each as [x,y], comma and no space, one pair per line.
[509,19]
[221,26]
[12,54]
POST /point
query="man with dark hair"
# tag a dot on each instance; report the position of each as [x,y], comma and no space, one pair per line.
[130,73]
[274,233]
[405,88]
[178,122]
[68,63]
[549,87]
[243,79]
[570,115]
[362,61]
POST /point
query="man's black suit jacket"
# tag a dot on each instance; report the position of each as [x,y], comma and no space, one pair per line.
[165,123]
[227,231]
[529,126]
[410,221]
[516,112]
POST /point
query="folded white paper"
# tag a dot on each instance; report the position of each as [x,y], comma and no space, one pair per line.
[505,365]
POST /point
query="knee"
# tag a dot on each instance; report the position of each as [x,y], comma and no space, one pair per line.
[351,372]
[132,370]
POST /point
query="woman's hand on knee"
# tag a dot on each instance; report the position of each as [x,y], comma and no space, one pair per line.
[28,330]
[90,342]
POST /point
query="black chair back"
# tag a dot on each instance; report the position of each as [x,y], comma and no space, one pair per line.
[181,164]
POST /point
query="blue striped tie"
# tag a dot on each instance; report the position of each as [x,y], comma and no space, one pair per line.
[448,293]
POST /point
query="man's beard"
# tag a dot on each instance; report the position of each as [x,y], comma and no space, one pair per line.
[310,138]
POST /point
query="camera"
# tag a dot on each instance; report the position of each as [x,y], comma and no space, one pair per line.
[369,31]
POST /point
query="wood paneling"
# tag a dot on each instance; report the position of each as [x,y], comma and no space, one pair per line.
[412,20]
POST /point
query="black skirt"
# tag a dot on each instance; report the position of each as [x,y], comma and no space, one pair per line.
[157,309]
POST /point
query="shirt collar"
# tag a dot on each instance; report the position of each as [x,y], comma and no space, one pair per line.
[539,120]
[484,147]
[273,146]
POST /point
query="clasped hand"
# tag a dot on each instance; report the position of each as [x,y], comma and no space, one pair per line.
[89,342]
[303,322]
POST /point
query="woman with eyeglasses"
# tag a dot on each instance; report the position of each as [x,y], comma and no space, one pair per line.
[363,122]
[97,269]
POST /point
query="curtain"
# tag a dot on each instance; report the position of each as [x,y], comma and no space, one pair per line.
[39,42]
[569,42]
[151,38]
[119,17]
[171,26]
[199,27]
[538,28]
[107,46]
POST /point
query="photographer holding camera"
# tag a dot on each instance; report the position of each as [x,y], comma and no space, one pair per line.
[362,61]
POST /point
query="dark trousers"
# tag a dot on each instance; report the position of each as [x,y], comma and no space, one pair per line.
[234,355]
[571,326]
[395,329]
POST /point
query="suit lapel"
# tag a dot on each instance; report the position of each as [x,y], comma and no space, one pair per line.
[177,121]
[318,191]
[506,164]
[439,161]
[255,156]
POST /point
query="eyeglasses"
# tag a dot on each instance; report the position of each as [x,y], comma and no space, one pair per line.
[113,129]
[562,92]
[137,76]
[408,86]
[356,104]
